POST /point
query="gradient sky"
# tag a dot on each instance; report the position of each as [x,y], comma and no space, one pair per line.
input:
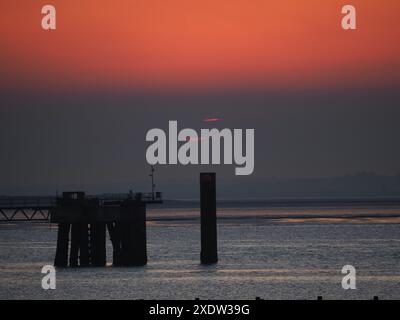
[76,103]
[198,44]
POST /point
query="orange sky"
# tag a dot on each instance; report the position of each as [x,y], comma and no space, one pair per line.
[199,44]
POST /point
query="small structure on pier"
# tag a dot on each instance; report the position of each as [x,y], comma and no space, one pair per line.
[85,220]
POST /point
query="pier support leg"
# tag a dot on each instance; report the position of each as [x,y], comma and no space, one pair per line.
[208,211]
[115,237]
[133,233]
[84,253]
[98,244]
[61,259]
[74,250]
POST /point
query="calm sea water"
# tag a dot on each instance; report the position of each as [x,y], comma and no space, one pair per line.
[267,253]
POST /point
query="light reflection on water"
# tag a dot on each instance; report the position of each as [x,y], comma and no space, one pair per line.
[292,259]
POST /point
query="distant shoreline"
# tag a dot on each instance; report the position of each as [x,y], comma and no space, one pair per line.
[287,202]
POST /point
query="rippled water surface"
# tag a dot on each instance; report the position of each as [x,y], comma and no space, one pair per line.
[286,258]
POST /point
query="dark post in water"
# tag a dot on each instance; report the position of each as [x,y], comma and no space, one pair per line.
[208,211]
[133,233]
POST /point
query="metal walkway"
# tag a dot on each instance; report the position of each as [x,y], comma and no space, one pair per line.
[30,208]
[25,208]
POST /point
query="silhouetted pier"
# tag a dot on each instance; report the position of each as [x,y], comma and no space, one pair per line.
[83,222]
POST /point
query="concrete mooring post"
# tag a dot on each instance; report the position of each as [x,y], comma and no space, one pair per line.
[208,212]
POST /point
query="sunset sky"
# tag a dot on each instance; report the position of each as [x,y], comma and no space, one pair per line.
[158,45]
[76,103]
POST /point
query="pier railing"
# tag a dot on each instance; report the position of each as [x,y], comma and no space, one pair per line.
[26,208]
[27,202]
[29,208]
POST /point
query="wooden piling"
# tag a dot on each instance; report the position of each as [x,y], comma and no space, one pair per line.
[74,250]
[61,259]
[98,244]
[133,233]
[84,252]
[115,237]
[208,211]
